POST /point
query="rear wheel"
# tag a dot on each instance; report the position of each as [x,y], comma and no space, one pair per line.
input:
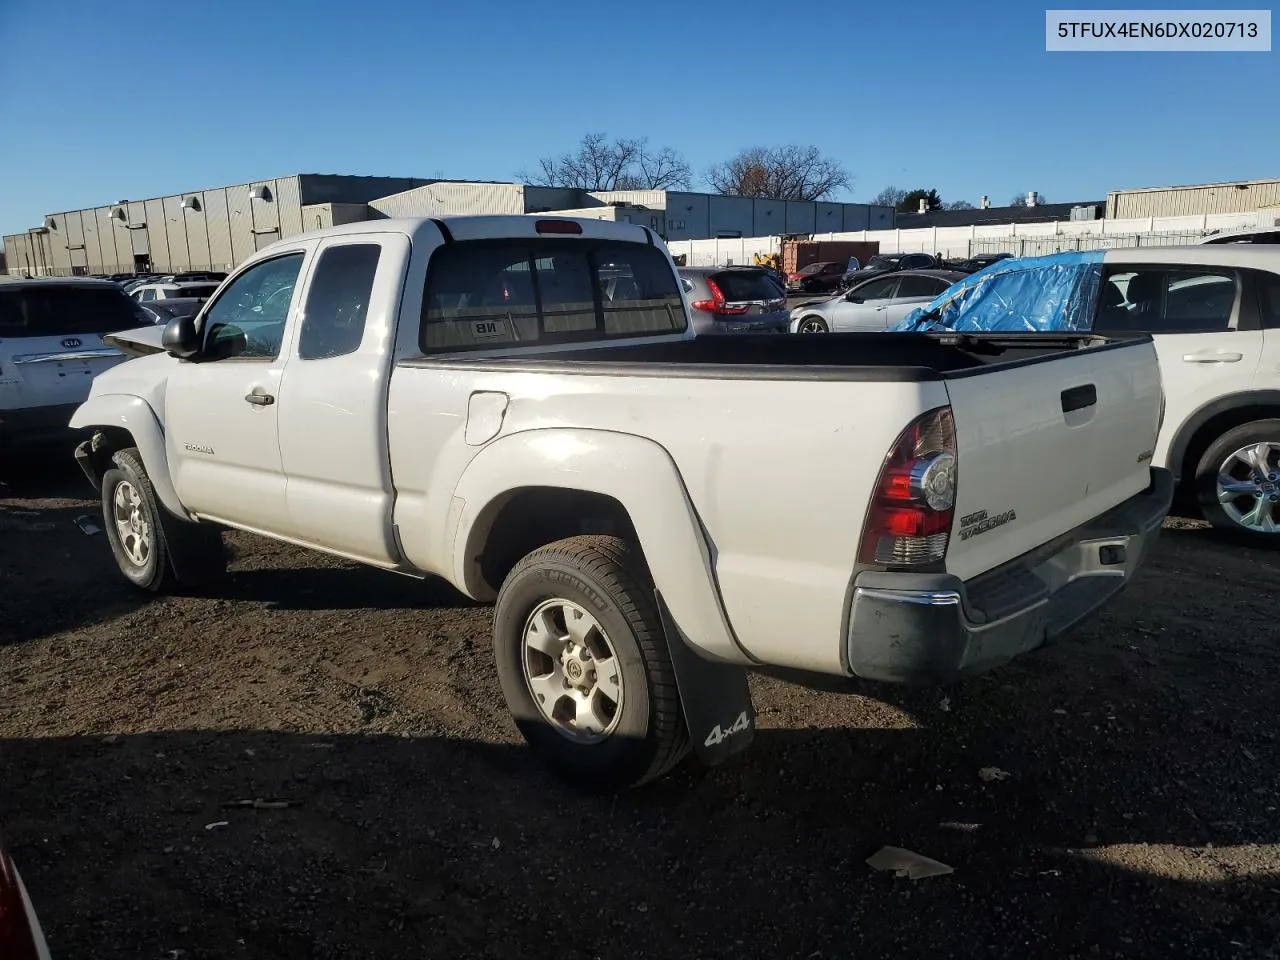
[584,666]
[1238,483]
[812,325]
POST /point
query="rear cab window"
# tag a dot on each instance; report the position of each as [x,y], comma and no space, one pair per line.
[482,294]
[40,310]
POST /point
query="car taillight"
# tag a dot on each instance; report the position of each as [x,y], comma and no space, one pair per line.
[717,303]
[909,521]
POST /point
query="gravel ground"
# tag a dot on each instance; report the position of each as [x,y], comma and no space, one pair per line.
[1137,818]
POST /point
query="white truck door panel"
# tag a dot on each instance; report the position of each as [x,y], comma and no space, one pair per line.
[333,422]
[221,413]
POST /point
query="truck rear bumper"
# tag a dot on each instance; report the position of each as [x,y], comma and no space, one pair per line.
[932,628]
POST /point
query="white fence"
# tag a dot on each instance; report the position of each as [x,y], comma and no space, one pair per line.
[1025,239]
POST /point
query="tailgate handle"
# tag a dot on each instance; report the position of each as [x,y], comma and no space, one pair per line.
[1077,398]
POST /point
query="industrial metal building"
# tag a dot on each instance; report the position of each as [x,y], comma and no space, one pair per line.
[216,229]
[1238,196]
[201,230]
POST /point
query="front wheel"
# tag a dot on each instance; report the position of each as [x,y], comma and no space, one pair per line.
[584,666]
[812,325]
[1238,483]
[154,551]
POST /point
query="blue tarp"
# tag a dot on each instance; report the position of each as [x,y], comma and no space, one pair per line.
[1029,294]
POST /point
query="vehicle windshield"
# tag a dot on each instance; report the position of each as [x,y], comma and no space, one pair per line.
[40,310]
[811,269]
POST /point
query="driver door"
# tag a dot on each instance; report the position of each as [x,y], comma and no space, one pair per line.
[865,306]
[220,410]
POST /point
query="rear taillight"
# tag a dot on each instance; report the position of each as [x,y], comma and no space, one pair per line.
[909,521]
[717,303]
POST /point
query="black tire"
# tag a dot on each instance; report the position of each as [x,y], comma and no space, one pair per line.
[178,552]
[1206,483]
[607,577]
[817,322]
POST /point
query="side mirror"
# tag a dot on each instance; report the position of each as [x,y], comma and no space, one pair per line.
[180,338]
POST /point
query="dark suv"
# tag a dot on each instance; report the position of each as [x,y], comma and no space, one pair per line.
[888,263]
[735,300]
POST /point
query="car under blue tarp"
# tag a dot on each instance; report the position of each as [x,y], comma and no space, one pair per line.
[1030,294]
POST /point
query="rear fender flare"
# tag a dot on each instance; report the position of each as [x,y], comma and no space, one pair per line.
[634,471]
[1181,442]
[125,412]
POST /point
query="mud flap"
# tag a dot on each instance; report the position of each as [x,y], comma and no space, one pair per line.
[715,697]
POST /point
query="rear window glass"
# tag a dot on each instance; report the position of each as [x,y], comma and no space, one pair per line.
[205,290]
[483,294]
[738,285]
[37,310]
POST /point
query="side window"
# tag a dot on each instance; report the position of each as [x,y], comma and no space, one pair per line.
[247,320]
[147,295]
[876,290]
[1157,300]
[338,301]
[1269,299]
[915,286]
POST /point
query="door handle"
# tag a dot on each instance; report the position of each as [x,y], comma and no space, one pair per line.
[260,399]
[1213,357]
[1078,398]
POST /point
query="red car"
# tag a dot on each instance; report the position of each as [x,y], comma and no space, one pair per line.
[20,935]
[816,277]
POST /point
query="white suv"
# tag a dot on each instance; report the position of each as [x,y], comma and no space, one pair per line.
[51,348]
[1213,312]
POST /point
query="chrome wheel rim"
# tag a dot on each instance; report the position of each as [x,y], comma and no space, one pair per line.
[1249,487]
[811,326]
[572,671]
[132,525]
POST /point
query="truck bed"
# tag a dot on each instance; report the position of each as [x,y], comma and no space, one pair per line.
[840,356]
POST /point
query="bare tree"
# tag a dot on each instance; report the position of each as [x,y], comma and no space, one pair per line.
[780,173]
[960,205]
[624,163]
[889,197]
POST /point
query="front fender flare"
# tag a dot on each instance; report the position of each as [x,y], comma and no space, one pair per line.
[126,412]
[636,472]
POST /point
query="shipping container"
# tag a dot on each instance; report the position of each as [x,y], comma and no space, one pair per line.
[797,254]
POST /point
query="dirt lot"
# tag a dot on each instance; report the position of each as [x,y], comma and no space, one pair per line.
[1139,817]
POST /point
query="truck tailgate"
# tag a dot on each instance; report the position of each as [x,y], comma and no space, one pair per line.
[1046,445]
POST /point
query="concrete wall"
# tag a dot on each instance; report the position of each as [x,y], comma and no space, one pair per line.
[1022,239]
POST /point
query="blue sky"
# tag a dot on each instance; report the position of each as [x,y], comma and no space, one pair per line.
[105,101]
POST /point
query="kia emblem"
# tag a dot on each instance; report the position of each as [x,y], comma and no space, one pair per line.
[70,343]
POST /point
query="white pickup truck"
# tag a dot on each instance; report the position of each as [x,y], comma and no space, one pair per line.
[518,405]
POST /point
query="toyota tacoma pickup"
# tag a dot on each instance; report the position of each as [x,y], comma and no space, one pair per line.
[519,405]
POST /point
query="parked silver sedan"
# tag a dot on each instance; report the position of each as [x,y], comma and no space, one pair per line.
[875,304]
